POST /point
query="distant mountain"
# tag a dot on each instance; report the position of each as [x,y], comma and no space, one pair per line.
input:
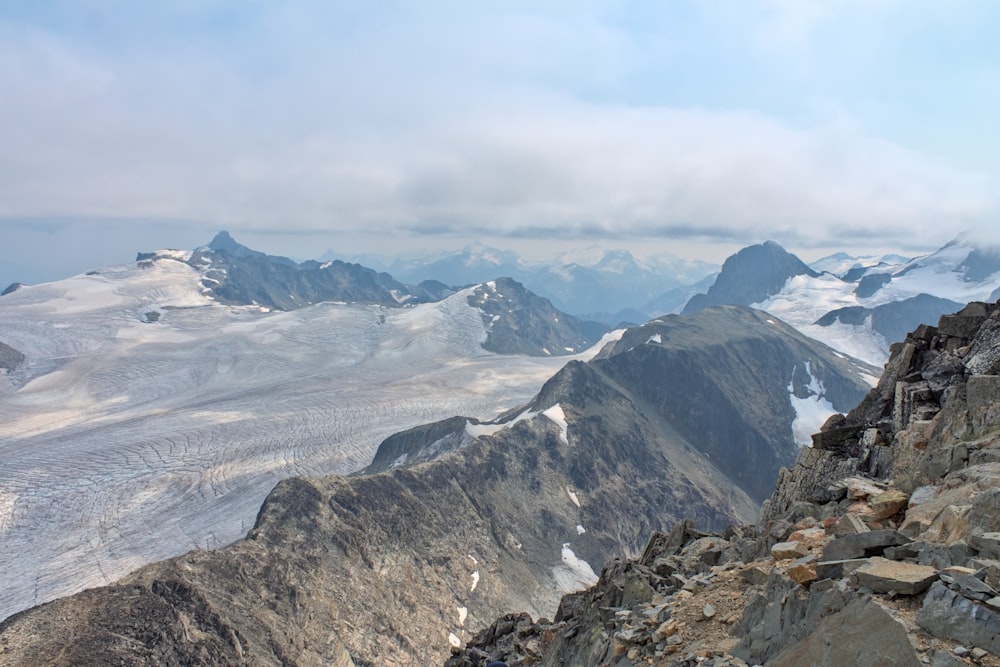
[858,313]
[520,322]
[189,411]
[841,264]
[674,300]
[236,275]
[684,417]
[751,276]
[582,282]
[895,319]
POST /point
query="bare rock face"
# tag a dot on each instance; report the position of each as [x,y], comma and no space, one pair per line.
[863,633]
[906,582]
[9,357]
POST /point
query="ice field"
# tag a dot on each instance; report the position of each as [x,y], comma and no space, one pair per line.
[125,441]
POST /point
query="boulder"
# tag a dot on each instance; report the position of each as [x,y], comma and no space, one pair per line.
[863,633]
[883,575]
[948,614]
[862,545]
[887,504]
[802,570]
[968,585]
[849,524]
[786,550]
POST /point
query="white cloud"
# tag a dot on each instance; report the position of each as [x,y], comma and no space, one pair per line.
[457,118]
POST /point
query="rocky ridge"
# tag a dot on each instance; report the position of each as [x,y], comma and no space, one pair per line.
[393,568]
[880,546]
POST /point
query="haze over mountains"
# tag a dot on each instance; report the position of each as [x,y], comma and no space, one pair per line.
[609,285]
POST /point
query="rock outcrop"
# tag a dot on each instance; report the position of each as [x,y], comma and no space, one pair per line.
[9,357]
[880,546]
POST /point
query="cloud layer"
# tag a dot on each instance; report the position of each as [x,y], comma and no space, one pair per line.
[442,118]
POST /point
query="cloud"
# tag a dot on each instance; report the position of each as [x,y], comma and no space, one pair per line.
[453,121]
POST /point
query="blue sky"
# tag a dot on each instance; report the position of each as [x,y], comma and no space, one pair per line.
[687,127]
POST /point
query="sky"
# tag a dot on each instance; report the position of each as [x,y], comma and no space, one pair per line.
[688,127]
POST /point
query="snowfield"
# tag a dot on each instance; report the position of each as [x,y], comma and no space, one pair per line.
[804,299]
[147,420]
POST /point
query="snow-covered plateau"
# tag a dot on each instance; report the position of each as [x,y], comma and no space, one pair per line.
[148,420]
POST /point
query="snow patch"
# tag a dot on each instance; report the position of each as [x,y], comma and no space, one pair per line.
[655,338]
[580,530]
[475,581]
[476,430]
[453,640]
[811,411]
[573,573]
[558,417]
[463,613]
[572,496]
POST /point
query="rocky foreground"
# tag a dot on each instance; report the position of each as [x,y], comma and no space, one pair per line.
[880,546]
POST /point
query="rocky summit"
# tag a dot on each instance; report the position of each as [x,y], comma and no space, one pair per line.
[879,546]
[461,521]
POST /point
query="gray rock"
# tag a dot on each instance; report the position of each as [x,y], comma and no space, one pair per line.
[948,614]
[872,543]
[968,585]
[982,390]
[849,524]
[884,576]
[835,569]
[863,633]
[943,658]
[987,544]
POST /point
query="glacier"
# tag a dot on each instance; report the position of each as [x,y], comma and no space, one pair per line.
[129,438]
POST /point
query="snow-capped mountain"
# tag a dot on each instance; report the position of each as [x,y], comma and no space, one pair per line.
[684,417]
[841,264]
[582,282]
[750,276]
[236,275]
[140,417]
[867,308]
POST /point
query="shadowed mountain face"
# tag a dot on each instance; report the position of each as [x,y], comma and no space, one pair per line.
[750,276]
[684,417]
[895,319]
[237,275]
[519,322]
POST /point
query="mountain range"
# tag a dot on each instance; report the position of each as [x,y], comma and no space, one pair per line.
[142,418]
[149,408]
[865,308]
[605,285]
[456,521]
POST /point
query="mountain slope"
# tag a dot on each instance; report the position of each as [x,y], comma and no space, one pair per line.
[146,419]
[398,565]
[878,547]
[751,276]
[828,308]
[236,275]
[519,322]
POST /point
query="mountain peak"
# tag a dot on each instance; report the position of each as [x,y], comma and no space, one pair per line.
[224,242]
[751,276]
